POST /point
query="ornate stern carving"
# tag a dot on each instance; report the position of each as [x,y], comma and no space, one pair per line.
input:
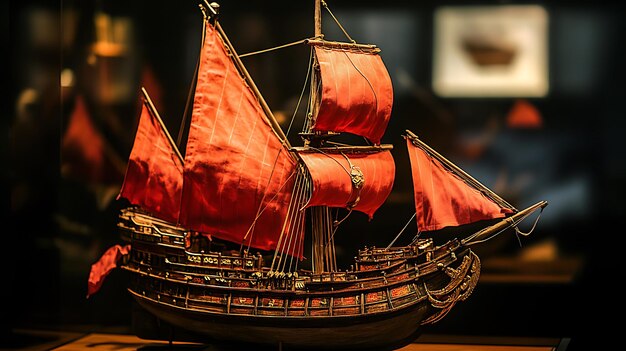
[463,280]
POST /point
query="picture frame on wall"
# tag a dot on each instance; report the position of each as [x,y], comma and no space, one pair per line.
[491,51]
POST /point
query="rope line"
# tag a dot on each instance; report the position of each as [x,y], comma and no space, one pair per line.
[302,41]
[337,21]
[513,224]
[401,231]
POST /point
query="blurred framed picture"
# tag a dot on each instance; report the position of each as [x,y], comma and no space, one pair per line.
[491,51]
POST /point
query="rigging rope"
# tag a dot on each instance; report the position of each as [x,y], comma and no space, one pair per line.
[367,80]
[513,224]
[337,21]
[518,232]
[401,231]
[192,87]
[302,41]
[261,208]
[306,81]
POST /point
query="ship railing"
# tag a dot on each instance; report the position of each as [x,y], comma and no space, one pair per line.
[376,254]
[263,303]
[217,260]
[331,277]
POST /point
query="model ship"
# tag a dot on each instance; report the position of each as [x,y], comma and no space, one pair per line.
[216,237]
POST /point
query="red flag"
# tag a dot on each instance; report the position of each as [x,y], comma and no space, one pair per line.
[104,266]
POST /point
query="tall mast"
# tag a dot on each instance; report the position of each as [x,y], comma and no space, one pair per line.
[318,18]
[323,244]
[314,94]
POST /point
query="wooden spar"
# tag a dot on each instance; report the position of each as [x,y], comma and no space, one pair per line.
[502,225]
[156,114]
[471,180]
[268,112]
[318,18]
[345,46]
[351,149]
[213,7]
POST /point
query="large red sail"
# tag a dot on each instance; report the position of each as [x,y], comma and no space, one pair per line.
[442,198]
[237,172]
[154,175]
[357,94]
[333,185]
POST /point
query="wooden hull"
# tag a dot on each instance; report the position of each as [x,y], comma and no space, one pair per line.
[389,330]
[232,298]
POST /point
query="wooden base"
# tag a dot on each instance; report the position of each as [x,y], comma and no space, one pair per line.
[123,342]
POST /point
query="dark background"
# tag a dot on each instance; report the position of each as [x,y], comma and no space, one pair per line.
[62,188]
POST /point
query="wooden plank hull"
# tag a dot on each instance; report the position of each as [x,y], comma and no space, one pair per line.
[387,330]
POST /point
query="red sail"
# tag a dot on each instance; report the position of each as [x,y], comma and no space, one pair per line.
[357,94]
[237,171]
[442,199]
[104,266]
[332,182]
[154,174]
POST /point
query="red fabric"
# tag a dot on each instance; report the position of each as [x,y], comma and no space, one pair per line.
[85,153]
[523,114]
[154,174]
[442,199]
[104,266]
[234,165]
[357,94]
[332,184]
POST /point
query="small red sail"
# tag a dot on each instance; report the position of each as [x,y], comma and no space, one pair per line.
[442,199]
[237,172]
[357,94]
[333,185]
[154,174]
[104,266]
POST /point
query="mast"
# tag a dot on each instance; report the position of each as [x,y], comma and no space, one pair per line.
[351,92]
[318,18]
[323,247]
[314,91]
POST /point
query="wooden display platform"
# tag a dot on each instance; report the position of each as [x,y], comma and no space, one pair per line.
[124,342]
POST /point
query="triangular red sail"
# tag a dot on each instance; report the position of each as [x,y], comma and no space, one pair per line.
[154,175]
[332,181]
[236,169]
[357,94]
[442,199]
